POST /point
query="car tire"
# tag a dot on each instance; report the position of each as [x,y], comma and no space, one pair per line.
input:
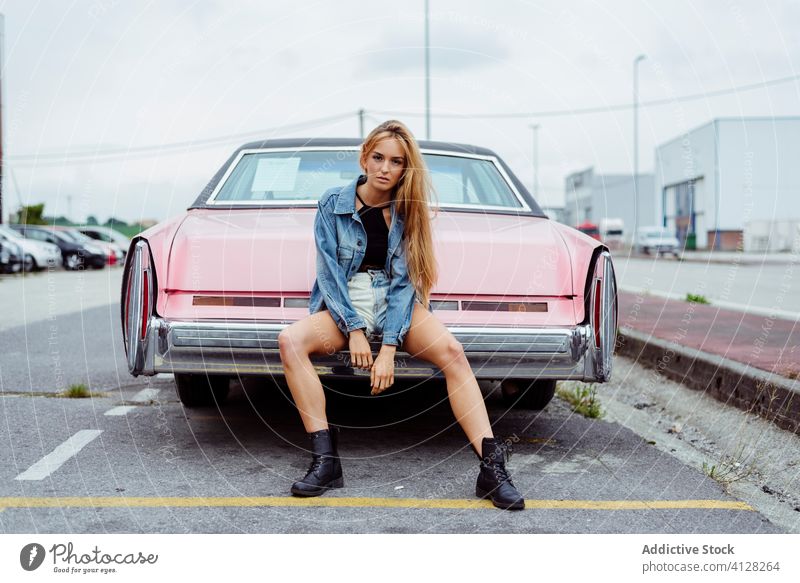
[73,261]
[30,263]
[200,390]
[528,394]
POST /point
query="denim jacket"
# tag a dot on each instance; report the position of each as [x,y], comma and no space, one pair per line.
[341,241]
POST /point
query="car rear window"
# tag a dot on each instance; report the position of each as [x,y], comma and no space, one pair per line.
[295,176]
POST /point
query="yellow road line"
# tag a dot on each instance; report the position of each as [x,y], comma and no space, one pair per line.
[332,501]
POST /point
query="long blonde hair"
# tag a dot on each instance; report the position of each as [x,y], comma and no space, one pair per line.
[411,201]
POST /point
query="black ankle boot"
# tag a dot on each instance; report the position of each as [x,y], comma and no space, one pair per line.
[494,481]
[325,471]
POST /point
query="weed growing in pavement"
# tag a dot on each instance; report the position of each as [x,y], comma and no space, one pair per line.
[583,398]
[732,467]
[792,373]
[729,470]
[78,391]
[697,299]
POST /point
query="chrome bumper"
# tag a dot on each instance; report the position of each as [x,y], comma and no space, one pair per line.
[252,349]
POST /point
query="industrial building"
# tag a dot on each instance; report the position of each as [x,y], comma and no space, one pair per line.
[733,183]
[593,197]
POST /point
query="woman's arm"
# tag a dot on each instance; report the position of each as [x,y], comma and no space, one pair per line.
[400,299]
[331,278]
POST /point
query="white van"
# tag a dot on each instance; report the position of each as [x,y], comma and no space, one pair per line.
[657,240]
[612,232]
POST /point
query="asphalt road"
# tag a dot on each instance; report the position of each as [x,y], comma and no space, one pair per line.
[399,449]
[133,460]
[771,286]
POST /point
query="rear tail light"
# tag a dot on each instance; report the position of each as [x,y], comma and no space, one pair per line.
[145,307]
[598,301]
[139,304]
[126,319]
[603,315]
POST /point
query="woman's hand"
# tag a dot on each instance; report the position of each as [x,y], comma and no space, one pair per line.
[360,351]
[383,370]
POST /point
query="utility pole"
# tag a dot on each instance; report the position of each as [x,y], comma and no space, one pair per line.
[2,69]
[636,143]
[535,128]
[361,123]
[427,74]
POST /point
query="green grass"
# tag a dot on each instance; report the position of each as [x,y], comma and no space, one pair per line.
[727,471]
[583,399]
[79,391]
[697,299]
[732,467]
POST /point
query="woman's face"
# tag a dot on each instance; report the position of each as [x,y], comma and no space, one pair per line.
[385,164]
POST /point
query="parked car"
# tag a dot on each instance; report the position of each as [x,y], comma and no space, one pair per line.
[15,256]
[112,251]
[107,235]
[36,254]
[205,294]
[590,229]
[612,232]
[74,254]
[656,240]
[7,262]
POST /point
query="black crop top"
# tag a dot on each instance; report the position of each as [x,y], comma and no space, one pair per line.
[377,236]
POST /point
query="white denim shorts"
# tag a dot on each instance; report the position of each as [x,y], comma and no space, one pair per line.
[368,291]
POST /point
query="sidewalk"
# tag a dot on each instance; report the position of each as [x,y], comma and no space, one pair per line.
[748,360]
[726,257]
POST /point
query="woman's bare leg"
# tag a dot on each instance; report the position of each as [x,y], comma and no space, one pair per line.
[429,340]
[317,333]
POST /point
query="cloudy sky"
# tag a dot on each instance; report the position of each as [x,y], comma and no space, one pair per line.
[127,108]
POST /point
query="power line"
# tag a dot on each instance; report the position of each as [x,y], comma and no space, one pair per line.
[105,154]
[601,108]
[102,154]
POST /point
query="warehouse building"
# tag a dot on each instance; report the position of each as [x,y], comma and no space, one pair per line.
[590,197]
[733,183]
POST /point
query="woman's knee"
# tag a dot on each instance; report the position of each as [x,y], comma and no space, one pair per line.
[289,344]
[454,353]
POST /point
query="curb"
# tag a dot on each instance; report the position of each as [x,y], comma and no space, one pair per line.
[770,396]
[758,260]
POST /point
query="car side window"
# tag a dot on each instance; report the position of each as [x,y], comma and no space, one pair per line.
[470,196]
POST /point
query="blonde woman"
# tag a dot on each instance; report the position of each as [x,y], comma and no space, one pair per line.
[375,271]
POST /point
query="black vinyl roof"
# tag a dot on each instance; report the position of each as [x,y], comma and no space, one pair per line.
[444,147]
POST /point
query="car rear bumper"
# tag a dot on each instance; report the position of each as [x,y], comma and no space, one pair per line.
[252,349]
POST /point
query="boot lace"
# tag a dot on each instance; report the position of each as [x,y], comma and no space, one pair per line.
[316,463]
[498,466]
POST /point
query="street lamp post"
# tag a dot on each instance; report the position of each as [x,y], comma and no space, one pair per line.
[535,128]
[427,74]
[636,142]
[2,67]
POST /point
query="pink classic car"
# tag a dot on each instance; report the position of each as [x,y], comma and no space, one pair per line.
[205,294]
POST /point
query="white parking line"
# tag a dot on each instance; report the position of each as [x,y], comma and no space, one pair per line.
[56,458]
[145,395]
[121,410]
